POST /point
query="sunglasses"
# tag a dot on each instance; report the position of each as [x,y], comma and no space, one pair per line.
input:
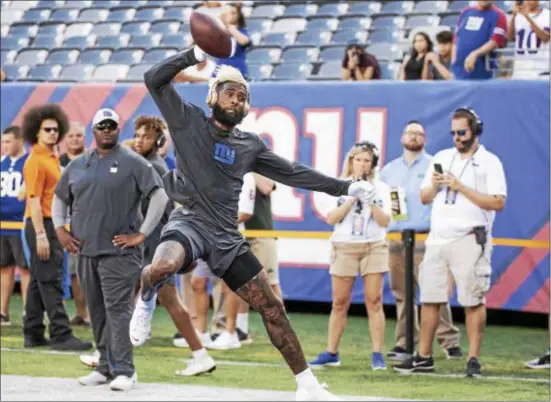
[460,133]
[106,125]
[51,129]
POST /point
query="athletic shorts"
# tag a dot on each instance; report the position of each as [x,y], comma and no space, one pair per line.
[11,252]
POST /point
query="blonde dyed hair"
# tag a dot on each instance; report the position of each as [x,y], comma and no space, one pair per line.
[347,170]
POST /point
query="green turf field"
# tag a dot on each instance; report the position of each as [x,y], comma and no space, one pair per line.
[504,351]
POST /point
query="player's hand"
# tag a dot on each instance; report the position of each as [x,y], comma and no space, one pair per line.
[470,62]
[68,242]
[363,190]
[452,182]
[128,240]
[43,248]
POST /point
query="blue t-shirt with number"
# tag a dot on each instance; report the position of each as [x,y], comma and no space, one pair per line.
[11,209]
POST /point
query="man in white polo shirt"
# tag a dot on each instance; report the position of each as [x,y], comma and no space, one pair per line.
[466,185]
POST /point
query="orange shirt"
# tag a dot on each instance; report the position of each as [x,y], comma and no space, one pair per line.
[41,174]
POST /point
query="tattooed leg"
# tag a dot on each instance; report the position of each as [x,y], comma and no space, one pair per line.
[259,295]
[168,259]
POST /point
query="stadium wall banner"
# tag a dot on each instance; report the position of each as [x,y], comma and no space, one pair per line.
[316,124]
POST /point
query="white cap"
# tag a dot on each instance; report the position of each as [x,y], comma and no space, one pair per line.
[105,114]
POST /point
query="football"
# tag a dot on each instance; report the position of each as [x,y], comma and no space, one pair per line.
[211,35]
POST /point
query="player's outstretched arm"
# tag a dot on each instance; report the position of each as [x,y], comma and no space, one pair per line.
[297,175]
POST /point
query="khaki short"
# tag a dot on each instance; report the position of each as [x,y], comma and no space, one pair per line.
[470,270]
[265,250]
[353,259]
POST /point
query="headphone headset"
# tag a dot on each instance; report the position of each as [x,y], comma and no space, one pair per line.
[161,139]
[475,122]
[374,150]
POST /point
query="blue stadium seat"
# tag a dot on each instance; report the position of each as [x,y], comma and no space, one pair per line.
[300,10]
[291,72]
[178,13]
[7,56]
[134,3]
[145,41]
[4,29]
[268,11]
[121,14]
[110,72]
[66,15]
[137,71]
[51,29]
[260,72]
[347,37]
[158,54]
[31,57]
[62,56]
[332,10]
[47,41]
[127,56]
[93,15]
[149,14]
[15,72]
[106,29]
[79,29]
[385,36]
[385,51]
[14,43]
[289,25]
[94,56]
[78,4]
[176,40]
[263,55]
[22,30]
[458,5]
[114,41]
[185,28]
[51,4]
[362,8]
[387,22]
[77,72]
[331,70]
[313,38]
[450,20]
[165,27]
[354,23]
[278,38]
[396,8]
[300,54]
[330,53]
[322,24]
[44,72]
[36,15]
[106,3]
[261,25]
[78,42]
[430,7]
[422,20]
[135,28]
[389,70]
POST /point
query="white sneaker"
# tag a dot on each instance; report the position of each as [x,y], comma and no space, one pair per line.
[180,342]
[205,338]
[90,360]
[198,367]
[93,379]
[124,383]
[140,324]
[316,394]
[225,341]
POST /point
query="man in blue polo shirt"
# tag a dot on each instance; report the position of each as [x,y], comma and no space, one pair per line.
[480,31]
[405,175]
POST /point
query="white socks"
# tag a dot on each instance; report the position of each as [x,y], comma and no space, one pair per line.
[307,379]
[243,322]
[200,354]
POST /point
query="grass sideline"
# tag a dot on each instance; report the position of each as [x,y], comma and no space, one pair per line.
[504,352]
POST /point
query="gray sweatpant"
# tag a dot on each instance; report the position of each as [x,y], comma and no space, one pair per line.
[108,283]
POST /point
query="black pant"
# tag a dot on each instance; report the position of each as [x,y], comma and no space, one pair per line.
[45,291]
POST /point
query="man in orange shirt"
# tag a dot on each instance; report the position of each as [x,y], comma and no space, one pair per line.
[43,128]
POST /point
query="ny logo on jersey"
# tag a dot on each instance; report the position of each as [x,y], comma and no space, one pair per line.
[474,23]
[223,153]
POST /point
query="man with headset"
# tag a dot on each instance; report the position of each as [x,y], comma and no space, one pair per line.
[466,185]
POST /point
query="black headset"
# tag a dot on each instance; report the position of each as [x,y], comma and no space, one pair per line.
[475,123]
[161,139]
[371,147]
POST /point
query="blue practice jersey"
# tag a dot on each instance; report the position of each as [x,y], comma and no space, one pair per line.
[11,209]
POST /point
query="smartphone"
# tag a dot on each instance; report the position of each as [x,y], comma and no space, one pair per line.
[438,168]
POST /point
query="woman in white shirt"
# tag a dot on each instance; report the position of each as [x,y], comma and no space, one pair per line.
[359,247]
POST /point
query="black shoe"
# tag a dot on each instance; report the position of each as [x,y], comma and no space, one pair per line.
[543,362]
[454,353]
[36,342]
[214,336]
[244,337]
[416,364]
[397,354]
[72,343]
[79,321]
[5,320]
[473,367]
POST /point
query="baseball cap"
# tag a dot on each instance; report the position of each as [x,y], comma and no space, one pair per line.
[105,114]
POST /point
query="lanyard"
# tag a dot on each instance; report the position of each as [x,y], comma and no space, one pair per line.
[452,195]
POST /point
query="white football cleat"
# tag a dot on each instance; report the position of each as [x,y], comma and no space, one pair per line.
[93,379]
[124,383]
[198,366]
[140,324]
[316,394]
[90,360]
[225,341]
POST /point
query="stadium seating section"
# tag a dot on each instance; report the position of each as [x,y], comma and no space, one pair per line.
[117,40]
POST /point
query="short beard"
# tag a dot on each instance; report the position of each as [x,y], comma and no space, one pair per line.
[107,146]
[225,119]
[414,148]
